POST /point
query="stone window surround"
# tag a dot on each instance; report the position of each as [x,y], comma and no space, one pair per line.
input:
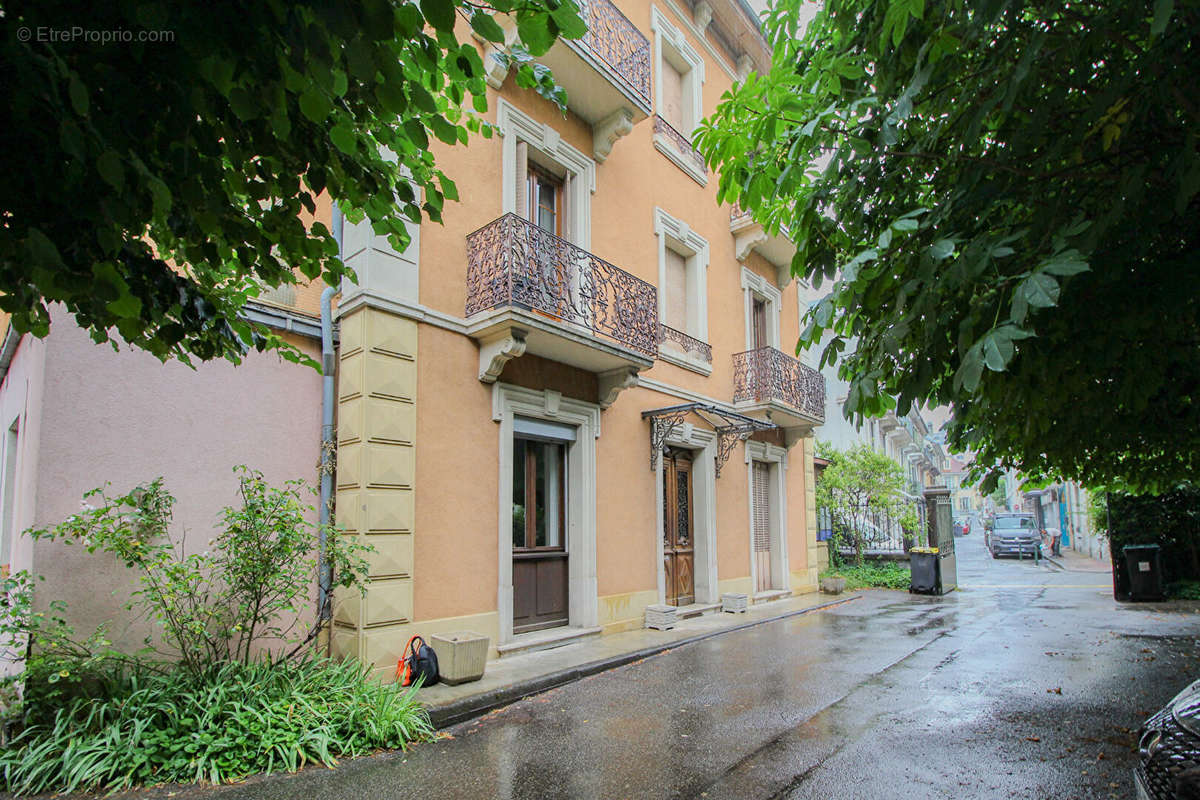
[703,443]
[515,125]
[677,235]
[776,457]
[755,285]
[509,401]
[671,44]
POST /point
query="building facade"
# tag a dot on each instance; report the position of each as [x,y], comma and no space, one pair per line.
[568,402]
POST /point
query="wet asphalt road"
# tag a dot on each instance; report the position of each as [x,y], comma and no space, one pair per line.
[1027,683]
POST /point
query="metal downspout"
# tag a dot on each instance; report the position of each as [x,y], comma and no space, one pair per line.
[328,365]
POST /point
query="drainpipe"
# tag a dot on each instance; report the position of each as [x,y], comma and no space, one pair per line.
[328,364]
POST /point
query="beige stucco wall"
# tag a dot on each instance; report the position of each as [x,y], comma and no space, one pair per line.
[125,418]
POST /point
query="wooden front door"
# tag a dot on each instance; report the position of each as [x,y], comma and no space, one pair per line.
[539,567]
[762,526]
[678,540]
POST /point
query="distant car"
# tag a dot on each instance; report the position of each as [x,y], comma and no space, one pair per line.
[1014,535]
[1169,750]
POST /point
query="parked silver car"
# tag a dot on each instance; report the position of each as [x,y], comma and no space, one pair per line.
[1169,750]
[1014,535]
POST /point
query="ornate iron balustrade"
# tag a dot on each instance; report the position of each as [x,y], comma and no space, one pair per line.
[768,374]
[689,345]
[513,262]
[738,214]
[618,43]
[681,143]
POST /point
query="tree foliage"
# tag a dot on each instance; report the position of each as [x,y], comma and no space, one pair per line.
[1002,199]
[155,182]
[863,490]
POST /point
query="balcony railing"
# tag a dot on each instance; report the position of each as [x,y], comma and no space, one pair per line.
[767,374]
[686,343]
[513,262]
[681,144]
[618,43]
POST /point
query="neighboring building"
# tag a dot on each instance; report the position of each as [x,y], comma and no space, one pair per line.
[568,402]
[964,499]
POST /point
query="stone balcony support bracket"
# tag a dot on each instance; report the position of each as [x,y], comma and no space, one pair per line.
[497,351]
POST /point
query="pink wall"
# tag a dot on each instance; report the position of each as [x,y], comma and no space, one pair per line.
[125,418]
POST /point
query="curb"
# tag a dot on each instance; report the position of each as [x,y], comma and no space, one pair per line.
[477,705]
[1054,563]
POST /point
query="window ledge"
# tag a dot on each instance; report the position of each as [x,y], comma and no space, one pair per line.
[685,360]
[681,160]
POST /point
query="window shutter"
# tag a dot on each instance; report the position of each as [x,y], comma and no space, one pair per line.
[565,210]
[676,289]
[523,181]
[672,96]
[762,507]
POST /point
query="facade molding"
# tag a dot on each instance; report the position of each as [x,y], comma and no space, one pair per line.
[509,401]
[606,132]
[755,284]
[496,352]
[677,235]
[703,443]
[698,34]
[515,125]
[776,457]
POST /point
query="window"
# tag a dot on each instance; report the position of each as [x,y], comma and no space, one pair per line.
[546,180]
[539,495]
[679,77]
[683,293]
[762,301]
[9,479]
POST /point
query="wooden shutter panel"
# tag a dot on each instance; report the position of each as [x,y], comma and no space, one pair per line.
[672,96]
[676,291]
[762,507]
[523,181]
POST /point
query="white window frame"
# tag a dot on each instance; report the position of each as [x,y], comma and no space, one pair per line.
[756,286]
[547,146]
[511,401]
[671,44]
[675,234]
[10,458]
[703,444]
[776,457]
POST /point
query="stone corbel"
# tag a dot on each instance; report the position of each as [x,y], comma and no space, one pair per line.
[495,353]
[606,132]
[745,65]
[747,240]
[703,14]
[613,382]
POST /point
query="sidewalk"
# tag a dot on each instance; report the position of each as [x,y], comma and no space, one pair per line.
[510,679]
[1072,561]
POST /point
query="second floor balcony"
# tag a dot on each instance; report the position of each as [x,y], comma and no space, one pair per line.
[770,381]
[606,73]
[529,291]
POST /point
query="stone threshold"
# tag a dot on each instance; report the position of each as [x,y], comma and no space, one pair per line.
[771,594]
[515,677]
[545,640]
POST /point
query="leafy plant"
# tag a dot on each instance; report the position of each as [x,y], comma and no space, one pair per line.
[859,489]
[229,721]
[995,198]
[155,185]
[871,575]
[252,583]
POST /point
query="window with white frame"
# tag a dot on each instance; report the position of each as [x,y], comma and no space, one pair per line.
[683,292]
[679,78]
[546,181]
[762,309]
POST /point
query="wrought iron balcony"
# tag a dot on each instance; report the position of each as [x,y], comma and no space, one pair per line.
[515,264]
[619,44]
[679,148]
[769,376]
[687,344]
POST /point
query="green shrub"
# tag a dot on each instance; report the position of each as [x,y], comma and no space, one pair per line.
[887,575]
[233,720]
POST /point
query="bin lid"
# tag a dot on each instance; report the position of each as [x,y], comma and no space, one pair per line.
[931,550]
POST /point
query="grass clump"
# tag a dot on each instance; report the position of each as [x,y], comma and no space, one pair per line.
[887,575]
[1184,590]
[234,720]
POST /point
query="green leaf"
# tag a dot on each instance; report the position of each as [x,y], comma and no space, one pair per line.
[79,95]
[439,13]
[487,27]
[314,104]
[570,24]
[109,167]
[344,138]
[535,34]
[1069,262]
[1040,290]
[941,249]
[1162,15]
[905,224]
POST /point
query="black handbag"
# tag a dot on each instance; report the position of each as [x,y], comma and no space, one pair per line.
[418,662]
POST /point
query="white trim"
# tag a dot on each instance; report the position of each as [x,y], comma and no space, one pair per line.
[670,43]
[776,457]
[704,512]
[667,148]
[507,402]
[717,57]
[755,284]
[680,237]
[685,360]
[683,394]
[515,125]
